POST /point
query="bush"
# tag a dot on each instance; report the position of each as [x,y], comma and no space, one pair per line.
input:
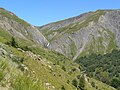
[75,82]
[26,48]
[18,60]
[63,68]
[93,84]
[115,82]
[62,88]
[12,43]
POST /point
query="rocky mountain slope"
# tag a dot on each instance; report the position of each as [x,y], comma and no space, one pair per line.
[26,65]
[19,28]
[92,32]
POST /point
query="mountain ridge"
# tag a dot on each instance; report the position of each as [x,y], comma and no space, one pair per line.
[91,29]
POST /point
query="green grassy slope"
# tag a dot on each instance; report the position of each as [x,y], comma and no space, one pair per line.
[48,72]
[53,73]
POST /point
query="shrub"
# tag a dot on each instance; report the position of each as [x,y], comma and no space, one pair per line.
[75,82]
[115,82]
[63,68]
[62,88]
[12,42]
[17,59]
[26,48]
[93,84]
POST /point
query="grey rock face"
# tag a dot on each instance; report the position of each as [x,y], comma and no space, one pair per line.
[36,35]
[96,36]
[111,21]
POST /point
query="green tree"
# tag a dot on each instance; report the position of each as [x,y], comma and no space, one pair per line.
[13,42]
[115,82]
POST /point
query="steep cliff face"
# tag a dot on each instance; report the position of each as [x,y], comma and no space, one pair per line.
[93,32]
[19,28]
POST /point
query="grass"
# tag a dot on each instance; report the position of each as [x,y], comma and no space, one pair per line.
[26,83]
[12,77]
[4,36]
[43,74]
[6,68]
[48,76]
[58,61]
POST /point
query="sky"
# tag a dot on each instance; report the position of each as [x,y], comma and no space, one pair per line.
[40,12]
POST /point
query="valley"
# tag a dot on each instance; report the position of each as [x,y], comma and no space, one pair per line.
[60,55]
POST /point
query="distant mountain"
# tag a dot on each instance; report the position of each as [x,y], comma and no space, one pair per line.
[92,32]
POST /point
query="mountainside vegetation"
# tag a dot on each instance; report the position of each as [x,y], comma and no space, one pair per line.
[38,69]
[28,63]
[105,68]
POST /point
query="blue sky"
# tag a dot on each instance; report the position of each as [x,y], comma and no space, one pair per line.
[40,12]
